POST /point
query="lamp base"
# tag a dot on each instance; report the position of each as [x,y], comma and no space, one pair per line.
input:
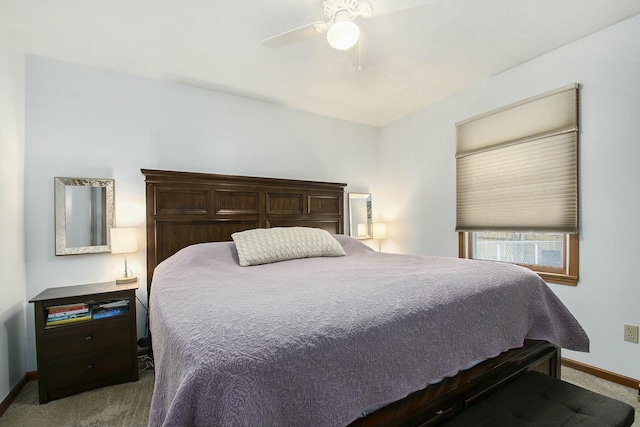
[128,279]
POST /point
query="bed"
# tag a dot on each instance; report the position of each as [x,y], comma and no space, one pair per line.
[361,339]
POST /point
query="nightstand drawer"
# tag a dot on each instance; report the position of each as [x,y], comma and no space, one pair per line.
[86,337]
[88,367]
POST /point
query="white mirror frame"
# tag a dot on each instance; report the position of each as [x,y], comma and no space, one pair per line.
[360,213]
[61,184]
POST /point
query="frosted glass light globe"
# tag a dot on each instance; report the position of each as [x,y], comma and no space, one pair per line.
[343,34]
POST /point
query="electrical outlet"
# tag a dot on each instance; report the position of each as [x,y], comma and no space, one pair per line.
[631,333]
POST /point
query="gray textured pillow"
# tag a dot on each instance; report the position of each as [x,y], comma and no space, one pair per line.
[266,245]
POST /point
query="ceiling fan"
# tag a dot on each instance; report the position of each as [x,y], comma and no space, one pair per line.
[339,16]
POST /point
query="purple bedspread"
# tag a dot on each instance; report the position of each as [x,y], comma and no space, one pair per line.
[317,341]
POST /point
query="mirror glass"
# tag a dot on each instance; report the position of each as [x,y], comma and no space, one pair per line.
[360,215]
[84,210]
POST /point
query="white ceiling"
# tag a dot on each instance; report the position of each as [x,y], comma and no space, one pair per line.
[414,52]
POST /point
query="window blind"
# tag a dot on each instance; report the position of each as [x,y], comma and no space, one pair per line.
[517,167]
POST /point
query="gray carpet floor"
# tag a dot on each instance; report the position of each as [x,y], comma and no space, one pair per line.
[128,404]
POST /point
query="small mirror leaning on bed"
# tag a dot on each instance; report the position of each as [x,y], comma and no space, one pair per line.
[84,210]
[360,215]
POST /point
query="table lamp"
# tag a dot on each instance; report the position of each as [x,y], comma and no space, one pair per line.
[124,241]
[379,232]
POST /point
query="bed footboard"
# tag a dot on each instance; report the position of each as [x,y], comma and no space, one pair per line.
[441,402]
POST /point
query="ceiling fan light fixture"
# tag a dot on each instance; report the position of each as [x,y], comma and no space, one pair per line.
[343,34]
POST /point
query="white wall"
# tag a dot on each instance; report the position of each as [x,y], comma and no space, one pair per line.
[12,265]
[417,179]
[86,122]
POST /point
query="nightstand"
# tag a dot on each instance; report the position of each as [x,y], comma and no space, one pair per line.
[83,354]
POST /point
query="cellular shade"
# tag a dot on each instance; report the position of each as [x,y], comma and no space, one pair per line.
[517,167]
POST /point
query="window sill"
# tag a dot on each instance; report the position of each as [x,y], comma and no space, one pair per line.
[560,279]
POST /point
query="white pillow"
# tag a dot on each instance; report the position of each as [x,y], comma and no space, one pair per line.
[266,245]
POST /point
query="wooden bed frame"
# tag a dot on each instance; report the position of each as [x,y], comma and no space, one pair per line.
[185,208]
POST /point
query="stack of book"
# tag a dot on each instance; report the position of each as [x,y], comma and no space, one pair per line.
[69,313]
[110,309]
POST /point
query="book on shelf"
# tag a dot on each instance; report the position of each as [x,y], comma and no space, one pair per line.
[113,304]
[102,313]
[78,312]
[67,307]
[72,318]
[64,314]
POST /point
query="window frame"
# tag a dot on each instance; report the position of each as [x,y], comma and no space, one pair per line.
[568,275]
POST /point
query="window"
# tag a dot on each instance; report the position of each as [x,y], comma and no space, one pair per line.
[553,256]
[517,185]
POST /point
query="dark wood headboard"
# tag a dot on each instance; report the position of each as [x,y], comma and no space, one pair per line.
[185,208]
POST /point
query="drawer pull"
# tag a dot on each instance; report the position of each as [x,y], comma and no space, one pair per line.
[88,338]
[89,367]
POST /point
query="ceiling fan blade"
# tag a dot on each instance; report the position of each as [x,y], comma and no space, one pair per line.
[296,34]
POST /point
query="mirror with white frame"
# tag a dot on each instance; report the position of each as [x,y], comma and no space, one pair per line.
[360,215]
[84,210]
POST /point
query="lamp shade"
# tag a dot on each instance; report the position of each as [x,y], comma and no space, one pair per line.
[344,33]
[379,230]
[124,240]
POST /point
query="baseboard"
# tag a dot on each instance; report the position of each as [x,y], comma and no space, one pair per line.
[601,373]
[29,376]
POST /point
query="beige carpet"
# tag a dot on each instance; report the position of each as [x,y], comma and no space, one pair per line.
[119,405]
[128,404]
